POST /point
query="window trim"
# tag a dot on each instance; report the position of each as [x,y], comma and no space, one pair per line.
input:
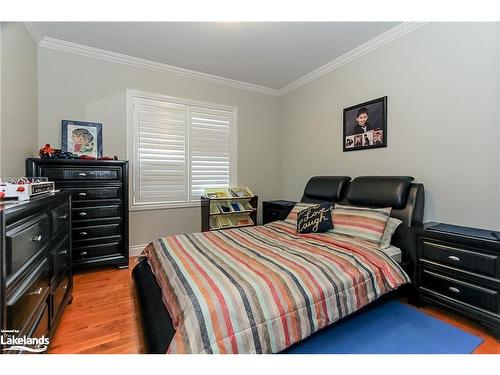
[131,152]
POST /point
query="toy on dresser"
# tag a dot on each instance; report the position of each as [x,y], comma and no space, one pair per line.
[24,188]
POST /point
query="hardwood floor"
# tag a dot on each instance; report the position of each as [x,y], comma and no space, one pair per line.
[103,317]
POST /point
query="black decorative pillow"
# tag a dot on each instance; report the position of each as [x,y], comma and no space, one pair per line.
[315,219]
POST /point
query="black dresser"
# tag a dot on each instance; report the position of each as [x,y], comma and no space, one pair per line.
[459,268]
[99,190]
[35,273]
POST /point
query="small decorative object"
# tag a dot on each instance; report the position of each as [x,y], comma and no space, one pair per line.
[48,152]
[365,125]
[23,188]
[82,138]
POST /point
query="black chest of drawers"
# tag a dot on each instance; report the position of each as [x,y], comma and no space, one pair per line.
[99,190]
[35,274]
[276,210]
[461,272]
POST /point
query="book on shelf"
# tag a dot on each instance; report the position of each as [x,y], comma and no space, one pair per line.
[214,209]
[247,206]
[214,224]
[224,222]
[237,207]
[225,208]
[240,192]
[241,220]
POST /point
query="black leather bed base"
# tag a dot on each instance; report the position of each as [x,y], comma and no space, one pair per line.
[157,327]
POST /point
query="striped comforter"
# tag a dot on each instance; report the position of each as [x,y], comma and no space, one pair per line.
[261,289]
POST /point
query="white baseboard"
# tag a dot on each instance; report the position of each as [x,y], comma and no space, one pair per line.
[135,250]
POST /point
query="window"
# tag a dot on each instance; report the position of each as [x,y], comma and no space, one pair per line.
[176,148]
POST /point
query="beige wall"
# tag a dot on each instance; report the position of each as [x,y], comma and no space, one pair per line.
[80,88]
[443,124]
[443,127]
[19,98]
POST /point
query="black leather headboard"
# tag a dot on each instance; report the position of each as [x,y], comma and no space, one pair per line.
[325,188]
[390,191]
[399,192]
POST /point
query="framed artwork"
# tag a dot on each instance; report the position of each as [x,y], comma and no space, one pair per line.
[365,125]
[82,138]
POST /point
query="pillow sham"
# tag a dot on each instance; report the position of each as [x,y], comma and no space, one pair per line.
[292,216]
[316,219]
[361,222]
[389,230]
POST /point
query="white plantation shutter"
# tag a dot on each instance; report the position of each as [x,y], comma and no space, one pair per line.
[161,168]
[178,149]
[210,149]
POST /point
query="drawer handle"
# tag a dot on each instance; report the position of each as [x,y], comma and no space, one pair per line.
[63,252]
[82,174]
[37,238]
[37,292]
[82,214]
[454,258]
[83,233]
[82,194]
[63,217]
[454,290]
[83,253]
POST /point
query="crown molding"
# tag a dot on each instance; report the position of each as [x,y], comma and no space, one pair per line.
[34,34]
[364,49]
[100,54]
[119,58]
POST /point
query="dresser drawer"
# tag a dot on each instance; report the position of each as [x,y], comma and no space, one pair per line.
[25,241]
[58,296]
[454,256]
[80,173]
[95,251]
[96,231]
[41,326]
[60,258]
[462,291]
[60,218]
[28,296]
[88,193]
[96,212]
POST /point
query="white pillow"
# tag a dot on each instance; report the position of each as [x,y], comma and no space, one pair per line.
[389,230]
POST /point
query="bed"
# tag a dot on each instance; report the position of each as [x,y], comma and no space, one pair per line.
[263,289]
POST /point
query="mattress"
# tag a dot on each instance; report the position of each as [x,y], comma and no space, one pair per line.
[261,289]
[393,252]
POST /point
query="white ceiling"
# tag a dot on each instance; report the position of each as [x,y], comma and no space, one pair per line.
[270,54]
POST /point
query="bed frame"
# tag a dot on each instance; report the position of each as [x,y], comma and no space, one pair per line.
[399,192]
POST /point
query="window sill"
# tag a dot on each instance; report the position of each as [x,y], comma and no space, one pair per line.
[165,206]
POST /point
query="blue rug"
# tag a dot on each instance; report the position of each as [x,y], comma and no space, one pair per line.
[391,328]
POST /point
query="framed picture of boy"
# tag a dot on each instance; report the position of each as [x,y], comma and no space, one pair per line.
[82,138]
[365,125]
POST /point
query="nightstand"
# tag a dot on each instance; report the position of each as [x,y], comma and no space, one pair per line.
[459,268]
[276,210]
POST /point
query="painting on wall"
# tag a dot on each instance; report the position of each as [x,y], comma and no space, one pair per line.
[82,138]
[365,125]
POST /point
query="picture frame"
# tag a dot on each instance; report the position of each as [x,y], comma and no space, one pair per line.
[373,115]
[82,138]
